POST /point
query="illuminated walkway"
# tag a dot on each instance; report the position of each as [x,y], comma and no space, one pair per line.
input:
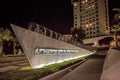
[90,70]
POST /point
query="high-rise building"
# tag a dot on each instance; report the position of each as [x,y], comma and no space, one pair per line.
[91,16]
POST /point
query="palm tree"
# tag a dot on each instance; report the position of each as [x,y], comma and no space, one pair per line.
[5,35]
[115,28]
[78,34]
[1,41]
[118,14]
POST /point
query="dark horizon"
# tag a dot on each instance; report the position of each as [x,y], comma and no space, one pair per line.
[56,15]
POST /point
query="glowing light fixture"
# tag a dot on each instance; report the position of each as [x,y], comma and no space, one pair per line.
[62,60]
[60,55]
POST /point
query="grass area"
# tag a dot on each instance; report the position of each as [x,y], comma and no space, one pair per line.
[27,73]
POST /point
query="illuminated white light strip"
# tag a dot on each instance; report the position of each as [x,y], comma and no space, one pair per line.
[54,51]
[42,65]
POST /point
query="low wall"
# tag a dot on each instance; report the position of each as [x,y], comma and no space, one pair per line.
[92,40]
[111,68]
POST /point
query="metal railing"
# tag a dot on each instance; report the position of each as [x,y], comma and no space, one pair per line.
[50,33]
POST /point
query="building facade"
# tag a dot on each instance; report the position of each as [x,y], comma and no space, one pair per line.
[91,16]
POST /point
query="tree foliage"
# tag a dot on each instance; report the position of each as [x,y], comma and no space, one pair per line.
[116,27]
[5,35]
[78,34]
[117,16]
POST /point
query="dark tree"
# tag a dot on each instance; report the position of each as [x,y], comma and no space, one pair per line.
[5,35]
[78,34]
[116,27]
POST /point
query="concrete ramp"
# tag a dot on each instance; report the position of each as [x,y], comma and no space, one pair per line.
[42,50]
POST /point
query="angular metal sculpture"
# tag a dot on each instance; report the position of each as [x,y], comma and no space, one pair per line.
[42,50]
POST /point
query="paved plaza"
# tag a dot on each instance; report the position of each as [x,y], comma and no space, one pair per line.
[90,70]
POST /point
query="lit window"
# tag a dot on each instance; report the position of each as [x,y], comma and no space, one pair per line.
[93,6]
[75,4]
[83,1]
[87,25]
[90,24]
[86,0]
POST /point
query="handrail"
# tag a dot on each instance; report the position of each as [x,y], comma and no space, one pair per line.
[50,33]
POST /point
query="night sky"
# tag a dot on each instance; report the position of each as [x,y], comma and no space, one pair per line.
[54,14]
